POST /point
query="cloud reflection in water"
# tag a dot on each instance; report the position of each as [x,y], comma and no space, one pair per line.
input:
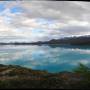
[44,57]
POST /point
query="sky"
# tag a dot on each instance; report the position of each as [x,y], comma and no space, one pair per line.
[33,20]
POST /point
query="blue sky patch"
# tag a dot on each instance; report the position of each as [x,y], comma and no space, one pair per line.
[16,10]
[37,31]
[2,7]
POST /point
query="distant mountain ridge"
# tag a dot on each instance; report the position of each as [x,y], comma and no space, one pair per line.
[76,40]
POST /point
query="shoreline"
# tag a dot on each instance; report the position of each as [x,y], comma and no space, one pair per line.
[13,76]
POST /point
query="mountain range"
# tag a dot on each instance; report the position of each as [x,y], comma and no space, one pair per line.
[76,40]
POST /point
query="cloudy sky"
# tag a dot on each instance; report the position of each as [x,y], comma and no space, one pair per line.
[30,20]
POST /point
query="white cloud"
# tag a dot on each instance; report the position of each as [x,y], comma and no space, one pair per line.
[43,20]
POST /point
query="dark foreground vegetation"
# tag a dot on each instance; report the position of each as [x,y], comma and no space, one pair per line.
[20,77]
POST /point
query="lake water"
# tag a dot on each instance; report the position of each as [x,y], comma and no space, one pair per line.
[53,58]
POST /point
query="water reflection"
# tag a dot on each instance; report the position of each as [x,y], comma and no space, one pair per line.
[53,58]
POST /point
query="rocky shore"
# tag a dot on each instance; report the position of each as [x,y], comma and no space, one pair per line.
[20,77]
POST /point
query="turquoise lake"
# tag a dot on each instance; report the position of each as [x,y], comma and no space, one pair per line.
[54,58]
